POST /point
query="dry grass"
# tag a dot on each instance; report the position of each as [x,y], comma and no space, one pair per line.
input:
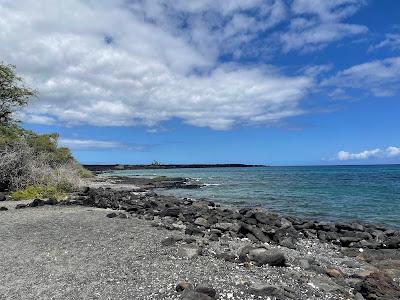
[20,166]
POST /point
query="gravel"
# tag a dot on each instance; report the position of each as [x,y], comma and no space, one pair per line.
[74,252]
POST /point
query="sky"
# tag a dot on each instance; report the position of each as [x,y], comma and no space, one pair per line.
[276,82]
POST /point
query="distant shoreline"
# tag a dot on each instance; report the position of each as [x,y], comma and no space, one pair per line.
[113,167]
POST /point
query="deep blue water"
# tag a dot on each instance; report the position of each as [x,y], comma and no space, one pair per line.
[368,193]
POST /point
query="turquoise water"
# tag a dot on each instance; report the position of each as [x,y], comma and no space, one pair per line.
[368,193]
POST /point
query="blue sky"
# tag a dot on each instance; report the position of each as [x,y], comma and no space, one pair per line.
[280,82]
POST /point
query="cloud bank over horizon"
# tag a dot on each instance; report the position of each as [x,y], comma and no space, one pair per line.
[127,63]
[389,152]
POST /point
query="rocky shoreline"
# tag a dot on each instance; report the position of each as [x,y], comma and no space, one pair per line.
[329,260]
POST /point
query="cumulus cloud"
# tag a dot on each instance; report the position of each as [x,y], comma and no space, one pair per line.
[366,154]
[122,63]
[138,65]
[379,77]
[90,144]
[318,23]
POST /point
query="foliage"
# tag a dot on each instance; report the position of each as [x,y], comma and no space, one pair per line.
[22,165]
[31,192]
[13,93]
[85,173]
[31,163]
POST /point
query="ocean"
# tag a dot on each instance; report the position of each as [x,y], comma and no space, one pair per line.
[366,193]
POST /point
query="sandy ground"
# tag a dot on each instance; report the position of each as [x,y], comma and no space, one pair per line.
[74,252]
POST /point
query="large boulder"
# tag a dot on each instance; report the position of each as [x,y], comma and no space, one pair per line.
[254,231]
[379,285]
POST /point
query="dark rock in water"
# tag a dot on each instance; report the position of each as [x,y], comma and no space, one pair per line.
[122,216]
[112,215]
[3,208]
[352,227]
[262,256]
[325,226]
[20,206]
[37,202]
[379,285]
[209,291]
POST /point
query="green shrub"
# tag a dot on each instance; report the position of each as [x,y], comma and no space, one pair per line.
[85,173]
[42,192]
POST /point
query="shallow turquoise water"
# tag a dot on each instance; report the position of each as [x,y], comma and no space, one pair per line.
[368,193]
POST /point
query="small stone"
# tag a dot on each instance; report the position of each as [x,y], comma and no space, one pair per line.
[181,286]
[190,240]
[196,296]
[288,242]
[188,252]
[122,216]
[209,291]
[235,227]
[201,222]
[37,202]
[265,290]
[358,296]
[169,241]
[171,212]
[3,197]
[304,264]
[20,206]
[177,226]
[262,256]
[334,273]
[3,208]
[112,215]
[324,284]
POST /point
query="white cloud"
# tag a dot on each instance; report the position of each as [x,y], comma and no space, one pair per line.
[121,63]
[140,66]
[393,151]
[89,144]
[379,77]
[366,154]
[319,22]
[391,41]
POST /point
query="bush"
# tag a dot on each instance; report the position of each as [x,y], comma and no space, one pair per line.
[21,166]
[31,163]
[42,192]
